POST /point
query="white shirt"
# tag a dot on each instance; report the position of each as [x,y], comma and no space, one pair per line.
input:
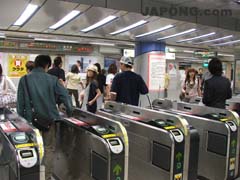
[73,80]
[109,79]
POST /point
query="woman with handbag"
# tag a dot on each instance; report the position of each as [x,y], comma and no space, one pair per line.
[7,90]
[190,87]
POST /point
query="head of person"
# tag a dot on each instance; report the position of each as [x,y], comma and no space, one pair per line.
[112,69]
[103,72]
[75,69]
[191,74]
[29,66]
[98,68]
[58,62]
[200,70]
[215,67]
[43,61]
[92,72]
[126,63]
[78,63]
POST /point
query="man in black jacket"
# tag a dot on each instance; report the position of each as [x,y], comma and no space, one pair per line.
[217,89]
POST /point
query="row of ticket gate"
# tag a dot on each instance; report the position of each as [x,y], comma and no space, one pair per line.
[167,141]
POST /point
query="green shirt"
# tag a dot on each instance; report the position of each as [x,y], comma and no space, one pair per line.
[44,89]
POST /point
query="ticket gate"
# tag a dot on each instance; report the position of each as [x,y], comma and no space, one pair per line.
[219,137]
[161,145]
[90,147]
[21,148]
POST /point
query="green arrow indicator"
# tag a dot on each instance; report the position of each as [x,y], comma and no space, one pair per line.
[233,143]
[179,156]
[117,170]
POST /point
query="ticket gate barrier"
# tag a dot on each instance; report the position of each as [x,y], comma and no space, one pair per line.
[233,104]
[219,137]
[90,147]
[162,146]
[21,148]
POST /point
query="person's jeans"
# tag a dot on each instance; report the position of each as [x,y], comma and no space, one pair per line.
[74,92]
[49,140]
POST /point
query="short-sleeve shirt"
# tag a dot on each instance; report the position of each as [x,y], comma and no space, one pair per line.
[128,86]
[109,79]
[92,94]
[58,72]
[73,80]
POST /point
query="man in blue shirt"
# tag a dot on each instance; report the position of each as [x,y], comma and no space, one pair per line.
[127,85]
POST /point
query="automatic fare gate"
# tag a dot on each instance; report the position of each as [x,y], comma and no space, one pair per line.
[21,148]
[219,137]
[91,147]
[162,147]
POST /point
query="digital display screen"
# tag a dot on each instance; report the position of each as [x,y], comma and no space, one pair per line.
[20,138]
[26,154]
[114,142]
[176,133]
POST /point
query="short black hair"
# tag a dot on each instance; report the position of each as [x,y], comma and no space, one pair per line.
[42,61]
[79,62]
[215,67]
[57,61]
[75,69]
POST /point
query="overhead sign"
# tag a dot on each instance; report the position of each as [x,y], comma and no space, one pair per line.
[204,54]
[16,65]
[171,56]
[156,71]
[129,52]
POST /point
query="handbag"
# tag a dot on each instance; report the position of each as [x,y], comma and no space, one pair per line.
[43,124]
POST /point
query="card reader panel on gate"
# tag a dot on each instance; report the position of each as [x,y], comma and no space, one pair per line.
[115,145]
[177,134]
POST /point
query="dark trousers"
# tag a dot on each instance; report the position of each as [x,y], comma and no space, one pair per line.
[74,92]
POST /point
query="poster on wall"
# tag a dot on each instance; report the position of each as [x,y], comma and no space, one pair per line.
[85,61]
[16,65]
[156,71]
[108,62]
[237,77]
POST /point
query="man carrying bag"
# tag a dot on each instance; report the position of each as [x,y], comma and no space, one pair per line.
[36,102]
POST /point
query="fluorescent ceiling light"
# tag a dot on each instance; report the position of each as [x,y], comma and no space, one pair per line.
[55,40]
[178,34]
[155,31]
[187,51]
[214,40]
[137,24]
[100,23]
[197,37]
[102,44]
[65,19]
[227,43]
[28,12]
[226,55]
[2,37]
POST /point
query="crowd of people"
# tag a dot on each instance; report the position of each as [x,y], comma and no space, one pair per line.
[43,91]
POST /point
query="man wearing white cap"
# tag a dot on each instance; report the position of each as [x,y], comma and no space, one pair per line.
[127,85]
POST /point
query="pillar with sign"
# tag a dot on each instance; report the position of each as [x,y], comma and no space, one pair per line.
[150,63]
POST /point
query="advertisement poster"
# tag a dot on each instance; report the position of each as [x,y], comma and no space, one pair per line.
[16,65]
[156,71]
[237,77]
[108,62]
[85,61]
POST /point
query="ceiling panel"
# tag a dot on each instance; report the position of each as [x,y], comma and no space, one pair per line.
[7,17]
[86,19]
[50,13]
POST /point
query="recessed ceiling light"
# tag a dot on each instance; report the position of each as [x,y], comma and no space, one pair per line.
[28,12]
[178,34]
[135,25]
[227,43]
[214,40]
[197,37]
[65,19]
[99,24]
[155,31]
[56,40]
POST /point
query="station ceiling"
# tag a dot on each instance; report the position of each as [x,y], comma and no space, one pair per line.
[49,12]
